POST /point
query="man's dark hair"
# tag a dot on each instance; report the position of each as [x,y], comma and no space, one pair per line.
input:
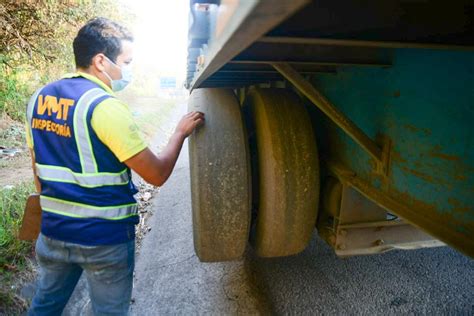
[99,35]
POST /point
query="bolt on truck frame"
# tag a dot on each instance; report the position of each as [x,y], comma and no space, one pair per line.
[351,117]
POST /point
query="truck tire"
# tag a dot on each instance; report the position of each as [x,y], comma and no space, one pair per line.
[288,172]
[220,177]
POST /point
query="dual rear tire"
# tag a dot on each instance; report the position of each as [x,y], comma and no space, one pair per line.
[220,177]
[278,137]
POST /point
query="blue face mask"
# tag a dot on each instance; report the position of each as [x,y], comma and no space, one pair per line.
[121,83]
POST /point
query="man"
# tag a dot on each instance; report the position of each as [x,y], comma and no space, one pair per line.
[84,142]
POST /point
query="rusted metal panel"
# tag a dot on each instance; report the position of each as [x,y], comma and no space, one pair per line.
[329,109]
[424,104]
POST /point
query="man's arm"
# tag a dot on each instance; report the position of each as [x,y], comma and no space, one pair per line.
[156,169]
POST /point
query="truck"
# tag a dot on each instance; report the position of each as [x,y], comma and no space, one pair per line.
[353,120]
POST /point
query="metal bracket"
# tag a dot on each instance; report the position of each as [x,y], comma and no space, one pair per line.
[383,166]
[412,211]
[354,225]
[372,238]
[330,110]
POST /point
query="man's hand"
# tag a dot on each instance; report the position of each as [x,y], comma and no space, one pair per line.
[156,169]
[189,122]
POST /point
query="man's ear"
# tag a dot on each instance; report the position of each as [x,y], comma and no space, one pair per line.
[98,62]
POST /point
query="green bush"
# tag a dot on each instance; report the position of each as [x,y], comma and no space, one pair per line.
[12,202]
[13,252]
[36,44]
[13,94]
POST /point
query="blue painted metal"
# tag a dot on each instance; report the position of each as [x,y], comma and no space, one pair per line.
[425,104]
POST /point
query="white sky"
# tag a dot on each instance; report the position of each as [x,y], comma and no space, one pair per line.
[160,33]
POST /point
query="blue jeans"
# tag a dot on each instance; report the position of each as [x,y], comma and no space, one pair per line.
[109,272]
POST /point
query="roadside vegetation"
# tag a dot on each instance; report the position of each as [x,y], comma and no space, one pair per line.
[14,253]
[35,48]
[36,44]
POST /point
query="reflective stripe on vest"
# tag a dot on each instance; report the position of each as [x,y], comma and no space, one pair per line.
[29,112]
[73,209]
[81,130]
[61,174]
[89,176]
